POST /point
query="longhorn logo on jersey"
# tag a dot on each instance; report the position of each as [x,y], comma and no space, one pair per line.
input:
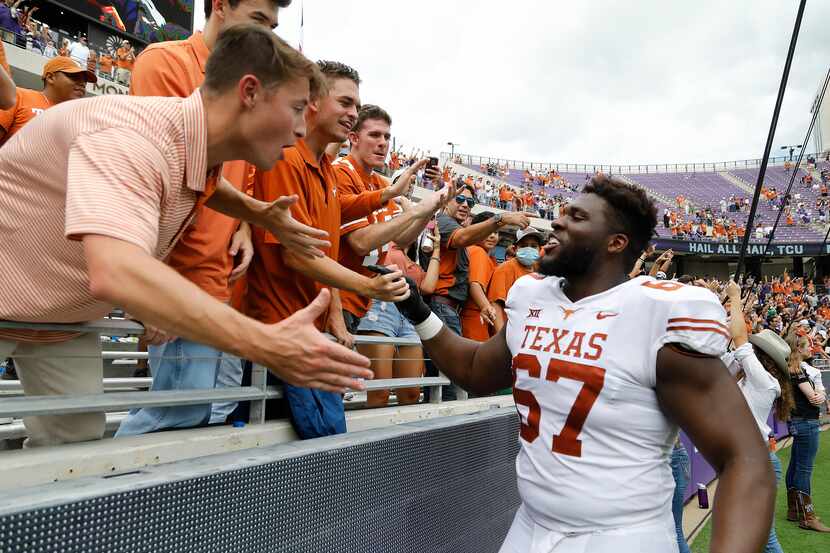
[566,313]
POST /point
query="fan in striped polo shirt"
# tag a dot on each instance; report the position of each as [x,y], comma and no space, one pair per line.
[83,232]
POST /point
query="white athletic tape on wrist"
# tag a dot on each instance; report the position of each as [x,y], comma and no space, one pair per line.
[430,328]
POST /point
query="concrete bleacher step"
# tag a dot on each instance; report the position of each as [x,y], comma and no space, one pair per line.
[654,194]
[740,183]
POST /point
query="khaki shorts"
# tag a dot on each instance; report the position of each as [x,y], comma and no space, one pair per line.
[73,367]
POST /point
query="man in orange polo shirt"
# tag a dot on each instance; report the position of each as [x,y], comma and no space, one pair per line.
[206,252]
[528,243]
[280,282]
[365,241]
[63,80]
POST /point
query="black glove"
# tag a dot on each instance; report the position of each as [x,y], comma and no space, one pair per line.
[414,308]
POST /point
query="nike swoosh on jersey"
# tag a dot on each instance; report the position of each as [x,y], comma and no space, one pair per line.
[605,314]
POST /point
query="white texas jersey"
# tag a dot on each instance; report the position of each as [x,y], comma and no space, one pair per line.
[594,444]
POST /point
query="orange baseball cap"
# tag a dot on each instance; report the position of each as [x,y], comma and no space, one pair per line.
[63,64]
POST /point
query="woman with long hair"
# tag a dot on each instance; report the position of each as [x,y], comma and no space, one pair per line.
[759,363]
[804,429]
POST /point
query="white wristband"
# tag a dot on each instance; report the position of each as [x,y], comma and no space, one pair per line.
[430,328]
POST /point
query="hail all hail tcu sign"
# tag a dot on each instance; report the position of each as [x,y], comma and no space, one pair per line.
[734,248]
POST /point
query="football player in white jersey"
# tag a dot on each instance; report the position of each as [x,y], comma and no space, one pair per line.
[604,368]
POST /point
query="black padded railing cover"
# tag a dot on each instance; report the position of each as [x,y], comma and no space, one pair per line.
[442,485]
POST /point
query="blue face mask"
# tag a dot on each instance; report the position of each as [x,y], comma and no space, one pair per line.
[527,256]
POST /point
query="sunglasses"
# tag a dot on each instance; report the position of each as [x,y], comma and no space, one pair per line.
[461,199]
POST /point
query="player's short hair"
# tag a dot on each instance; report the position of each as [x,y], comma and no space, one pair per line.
[234,3]
[632,212]
[335,70]
[481,217]
[252,50]
[371,112]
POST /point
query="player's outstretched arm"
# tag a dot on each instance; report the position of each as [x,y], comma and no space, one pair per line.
[481,368]
[478,367]
[698,393]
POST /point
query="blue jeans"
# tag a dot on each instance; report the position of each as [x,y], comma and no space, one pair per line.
[448,315]
[680,468]
[185,365]
[453,322]
[772,543]
[315,413]
[803,456]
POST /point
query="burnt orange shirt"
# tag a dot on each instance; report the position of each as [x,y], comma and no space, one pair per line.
[29,104]
[275,291]
[177,68]
[503,278]
[482,266]
[353,180]
[481,270]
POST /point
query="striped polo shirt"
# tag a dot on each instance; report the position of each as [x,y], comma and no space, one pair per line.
[120,166]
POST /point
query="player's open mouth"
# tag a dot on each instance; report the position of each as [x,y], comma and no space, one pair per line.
[551,246]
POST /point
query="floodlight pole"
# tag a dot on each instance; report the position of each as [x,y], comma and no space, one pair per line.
[773,125]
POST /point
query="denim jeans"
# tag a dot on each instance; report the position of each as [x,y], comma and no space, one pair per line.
[453,322]
[185,365]
[772,542]
[681,469]
[803,456]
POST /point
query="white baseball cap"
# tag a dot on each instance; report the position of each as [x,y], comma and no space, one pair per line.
[529,231]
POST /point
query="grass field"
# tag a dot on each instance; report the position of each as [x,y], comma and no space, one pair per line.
[792,538]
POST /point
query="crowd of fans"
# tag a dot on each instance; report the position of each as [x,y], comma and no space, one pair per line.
[685,220]
[23,30]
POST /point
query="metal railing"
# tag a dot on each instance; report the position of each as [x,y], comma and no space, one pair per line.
[115,399]
[618,169]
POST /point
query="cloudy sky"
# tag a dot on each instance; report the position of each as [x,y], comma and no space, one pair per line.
[605,81]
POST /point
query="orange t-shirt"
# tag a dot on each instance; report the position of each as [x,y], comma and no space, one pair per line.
[125,59]
[177,68]
[352,180]
[275,291]
[503,278]
[481,268]
[29,104]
